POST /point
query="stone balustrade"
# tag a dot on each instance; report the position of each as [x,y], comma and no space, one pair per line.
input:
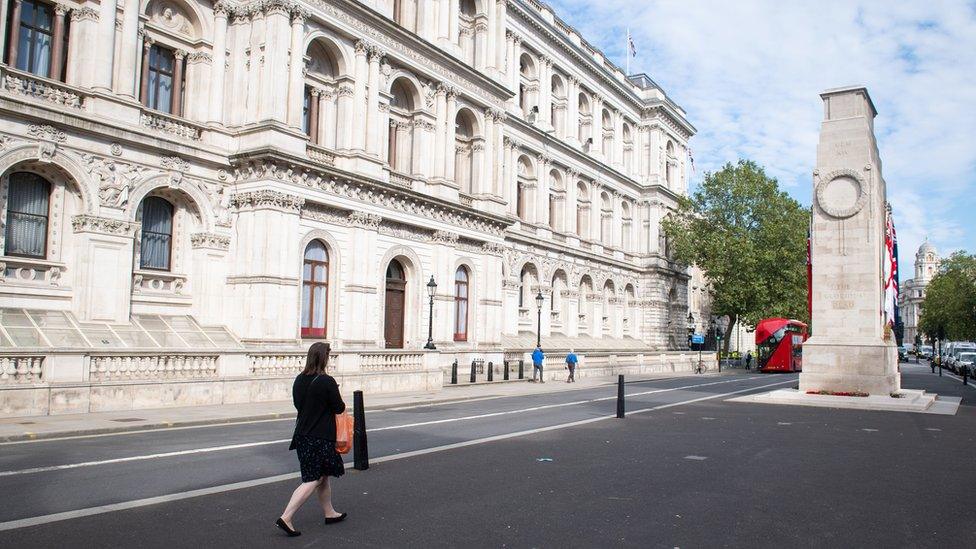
[276,364]
[21,369]
[18,270]
[171,125]
[42,89]
[172,366]
[320,154]
[391,361]
[158,282]
[401,180]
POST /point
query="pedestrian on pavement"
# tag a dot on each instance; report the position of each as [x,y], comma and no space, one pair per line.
[537,358]
[748,359]
[571,360]
[317,399]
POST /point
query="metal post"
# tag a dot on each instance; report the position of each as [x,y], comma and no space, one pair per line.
[505,364]
[538,328]
[454,372]
[474,376]
[965,371]
[360,450]
[491,371]
[521,368]
[430,324]
[620,396]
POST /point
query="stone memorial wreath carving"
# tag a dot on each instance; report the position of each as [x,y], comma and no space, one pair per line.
[841,193]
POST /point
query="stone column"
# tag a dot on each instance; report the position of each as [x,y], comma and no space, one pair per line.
[103,273]
[313,115]
[129,53]
[84,28]
[481,36]
[14,43]
[497,182]
[440,131]
[4,10]
[176,108]
[359,96]
[296,66]
[57,42]
[144,81]
[500,52]
[327,120]
[215,111]
[345,110]
[449,145]
[275,74]
[509,175]
[453,21]
[105,46]
[596,126]
[514,74]
[572,107]
[545,92]
[542,191]
[373,115]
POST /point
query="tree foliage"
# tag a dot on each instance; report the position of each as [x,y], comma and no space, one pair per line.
[750,239]
[949,309]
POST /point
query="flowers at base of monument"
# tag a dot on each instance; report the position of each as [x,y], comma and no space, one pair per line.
[838,393]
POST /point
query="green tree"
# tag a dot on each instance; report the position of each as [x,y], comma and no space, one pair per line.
[750,239]
[950,299]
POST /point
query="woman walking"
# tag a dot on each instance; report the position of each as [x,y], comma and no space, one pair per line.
[317,399]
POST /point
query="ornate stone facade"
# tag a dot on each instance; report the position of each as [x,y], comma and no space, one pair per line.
[911,292]
[317,124]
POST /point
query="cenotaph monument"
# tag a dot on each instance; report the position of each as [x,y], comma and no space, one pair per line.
[851,349]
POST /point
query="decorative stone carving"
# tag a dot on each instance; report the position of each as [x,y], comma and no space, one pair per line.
[171,17]
[116,149]
[174,163]
[365,220]
[840,193]
[267,199]
[83,14]
[445,237]
[92,224]
[210,241]
[115,179]
[48,132]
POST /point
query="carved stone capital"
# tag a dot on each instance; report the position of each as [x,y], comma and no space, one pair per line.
[365,220]
[210,241]
[102,225]
[267,199]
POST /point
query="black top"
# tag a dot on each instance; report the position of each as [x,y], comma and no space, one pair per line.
[317,400]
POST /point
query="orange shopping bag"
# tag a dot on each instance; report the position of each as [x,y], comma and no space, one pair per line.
[344,426]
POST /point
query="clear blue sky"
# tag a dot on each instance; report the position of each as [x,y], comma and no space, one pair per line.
[749,73]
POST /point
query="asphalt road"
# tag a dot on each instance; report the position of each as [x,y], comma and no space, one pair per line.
[695,471]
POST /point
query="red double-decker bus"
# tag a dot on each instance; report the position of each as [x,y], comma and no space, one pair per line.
[779,344]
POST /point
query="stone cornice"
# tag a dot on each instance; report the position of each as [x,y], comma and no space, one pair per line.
[270,165]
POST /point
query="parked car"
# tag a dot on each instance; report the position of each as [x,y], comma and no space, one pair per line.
[925,351]
[966,362]
[902,353]
[952,352]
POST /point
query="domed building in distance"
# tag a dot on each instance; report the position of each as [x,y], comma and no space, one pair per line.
[911,294]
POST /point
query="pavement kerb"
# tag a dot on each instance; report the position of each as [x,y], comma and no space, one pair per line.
[162,425]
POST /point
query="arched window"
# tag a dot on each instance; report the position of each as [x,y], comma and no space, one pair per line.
[464,145]
[523,285]
[315,290]
[582,210]
[396,285]
[157,234]
[38,38]
[28,197]
[162,80]
[400,143]
[669,164]
[461,304]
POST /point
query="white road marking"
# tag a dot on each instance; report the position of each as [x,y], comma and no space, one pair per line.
[870,430]
[696,458]
[932,429]
[281,441]
[971,383]
[783,423]
[290,416]
[44,519]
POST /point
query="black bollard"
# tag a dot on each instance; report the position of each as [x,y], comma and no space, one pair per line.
[505,375]
[360,449]
[521,368]
[454,372]
[491,371]
[965,372]
[620,395]
[474,376]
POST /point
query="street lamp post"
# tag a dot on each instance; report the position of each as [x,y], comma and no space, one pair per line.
[431,289]
[691,328]
[918,343]
[718,341]
[538,321]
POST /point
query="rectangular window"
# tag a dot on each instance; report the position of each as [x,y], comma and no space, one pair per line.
[161,65]
[157,234]
[36,36]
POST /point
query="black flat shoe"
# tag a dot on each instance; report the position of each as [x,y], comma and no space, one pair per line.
[291,533]
[334,520]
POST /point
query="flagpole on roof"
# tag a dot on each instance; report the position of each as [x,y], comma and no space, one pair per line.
[627,52]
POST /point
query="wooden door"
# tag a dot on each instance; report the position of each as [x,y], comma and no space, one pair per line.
[395,298]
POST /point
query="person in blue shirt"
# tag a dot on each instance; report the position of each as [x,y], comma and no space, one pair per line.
[537,358]
[571,360]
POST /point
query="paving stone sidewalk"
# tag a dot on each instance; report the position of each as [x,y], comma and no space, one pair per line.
[43,427]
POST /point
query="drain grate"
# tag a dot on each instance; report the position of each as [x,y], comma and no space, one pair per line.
[128,419]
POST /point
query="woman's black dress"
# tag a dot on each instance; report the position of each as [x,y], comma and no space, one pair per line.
[317,400]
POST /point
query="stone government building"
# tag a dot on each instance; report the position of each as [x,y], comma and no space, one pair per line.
[192,193]
[912,291]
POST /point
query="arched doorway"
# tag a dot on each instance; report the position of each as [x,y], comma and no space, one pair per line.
[396,285]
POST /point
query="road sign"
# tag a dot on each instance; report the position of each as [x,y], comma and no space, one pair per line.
[698,339]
